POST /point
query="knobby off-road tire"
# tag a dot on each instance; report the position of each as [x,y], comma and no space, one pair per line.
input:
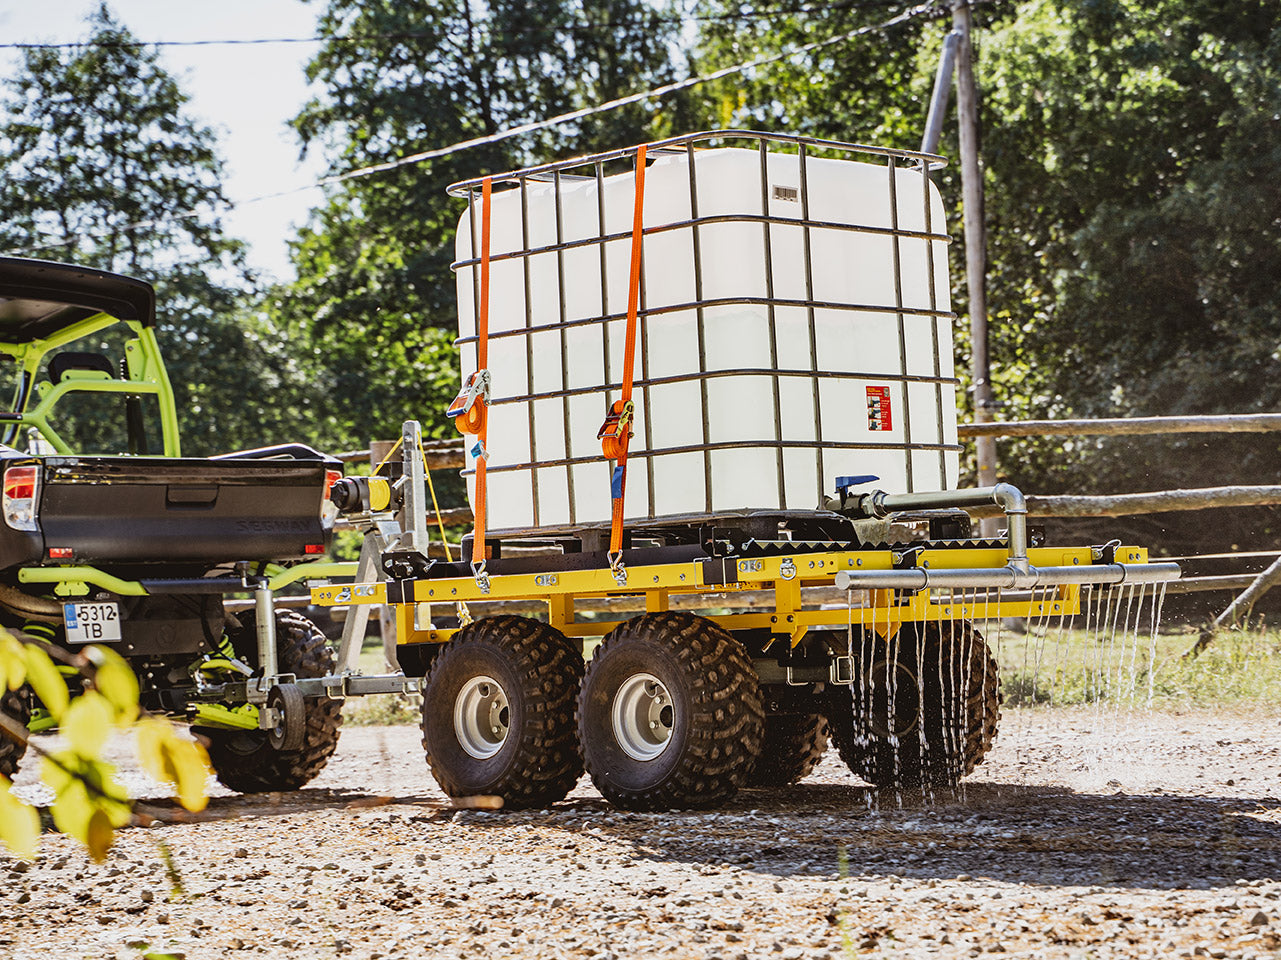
[498,712]
[244,760]
[670,714]
[16,706]
[793,745]
[946,707]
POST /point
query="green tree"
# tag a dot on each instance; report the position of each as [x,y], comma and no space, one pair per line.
[89,801]
[1131,155]
[103,166]
[374,299]
[873,88]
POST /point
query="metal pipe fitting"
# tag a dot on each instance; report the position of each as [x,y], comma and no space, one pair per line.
[1009,577]
[1010,499]
[880,505]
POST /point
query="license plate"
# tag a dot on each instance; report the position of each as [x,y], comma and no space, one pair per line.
[92,622]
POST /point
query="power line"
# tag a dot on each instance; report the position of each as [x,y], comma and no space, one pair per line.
[655,93]
[903,17]
[582,26]
[134,44]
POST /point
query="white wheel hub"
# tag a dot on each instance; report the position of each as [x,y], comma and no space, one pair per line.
[481,717]
[643,717]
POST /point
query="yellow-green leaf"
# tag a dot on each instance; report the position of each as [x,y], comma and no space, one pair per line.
[115,681]
[19,823]
[46,681]
[151,732]
[171,758]
[191,764]
[88,723]
[99,836]
[54,770]
[85,787]
[73,810]
[13,665]
[106,792]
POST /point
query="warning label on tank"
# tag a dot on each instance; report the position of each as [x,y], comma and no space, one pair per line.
[879,416]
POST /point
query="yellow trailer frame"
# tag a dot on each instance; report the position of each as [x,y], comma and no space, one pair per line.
[787,576]
[814,642]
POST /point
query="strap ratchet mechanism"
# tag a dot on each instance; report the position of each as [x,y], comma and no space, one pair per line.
[469,407]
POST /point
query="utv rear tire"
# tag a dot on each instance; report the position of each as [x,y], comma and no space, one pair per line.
[244,760]
[793,745]
[498,713]
[670,714]
[16,706]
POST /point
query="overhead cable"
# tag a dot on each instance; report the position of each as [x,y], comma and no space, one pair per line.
[582,26]
[906,15]
[656,92]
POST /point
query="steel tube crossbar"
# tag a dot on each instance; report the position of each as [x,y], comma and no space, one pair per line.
[922,578]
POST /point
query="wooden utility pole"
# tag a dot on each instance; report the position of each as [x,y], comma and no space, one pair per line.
[967,107]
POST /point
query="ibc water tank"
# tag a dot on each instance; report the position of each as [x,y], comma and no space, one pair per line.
[794,327]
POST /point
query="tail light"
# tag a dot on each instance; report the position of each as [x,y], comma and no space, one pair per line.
[22,497]
[329,512]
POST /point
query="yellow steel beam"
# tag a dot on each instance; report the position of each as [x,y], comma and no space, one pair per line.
[560,611]
[785,575]
[755,573]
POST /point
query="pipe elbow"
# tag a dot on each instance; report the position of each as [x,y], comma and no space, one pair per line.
[1009,498]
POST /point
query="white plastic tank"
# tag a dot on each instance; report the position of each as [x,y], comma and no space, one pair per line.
[759,380]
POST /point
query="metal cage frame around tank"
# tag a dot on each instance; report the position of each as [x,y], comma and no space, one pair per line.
[689,145]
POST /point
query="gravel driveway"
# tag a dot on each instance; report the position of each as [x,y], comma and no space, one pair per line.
[1086,834]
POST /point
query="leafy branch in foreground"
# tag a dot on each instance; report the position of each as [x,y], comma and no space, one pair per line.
[90,803]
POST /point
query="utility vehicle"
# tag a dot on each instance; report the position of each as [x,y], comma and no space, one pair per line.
[111,536]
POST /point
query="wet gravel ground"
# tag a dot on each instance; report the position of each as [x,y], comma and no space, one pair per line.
[1086,834]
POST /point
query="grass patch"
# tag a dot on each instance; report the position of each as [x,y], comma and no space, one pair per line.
[384,709]
[1069,667]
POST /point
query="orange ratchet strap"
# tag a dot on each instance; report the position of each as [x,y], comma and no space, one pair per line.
[469,410]
[616,432]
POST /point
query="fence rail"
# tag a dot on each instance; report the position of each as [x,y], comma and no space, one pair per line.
[1126,426]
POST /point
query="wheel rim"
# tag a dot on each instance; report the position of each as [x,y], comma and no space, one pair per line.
[644,717]
[481,717]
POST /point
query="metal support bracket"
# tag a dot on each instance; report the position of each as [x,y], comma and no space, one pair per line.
[413,514]
[265,615]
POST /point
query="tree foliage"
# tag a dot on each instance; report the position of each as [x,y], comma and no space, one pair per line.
[1131,153]
[374,299]
[104,167]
